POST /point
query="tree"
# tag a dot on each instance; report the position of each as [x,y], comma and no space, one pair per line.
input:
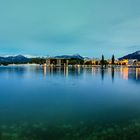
[97,63]
[102,60]
[113,60]
[88,63]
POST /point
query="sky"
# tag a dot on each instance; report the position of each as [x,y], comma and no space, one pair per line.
[57,27]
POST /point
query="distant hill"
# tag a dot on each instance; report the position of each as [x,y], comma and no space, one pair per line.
[135,55]
[20,59]
[77,56]
[14,59]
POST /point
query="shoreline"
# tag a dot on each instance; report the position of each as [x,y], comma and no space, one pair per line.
[76,66]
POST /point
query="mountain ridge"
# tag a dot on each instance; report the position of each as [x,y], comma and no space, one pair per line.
[75,56]
[135,55]
[14,59]
[24,59]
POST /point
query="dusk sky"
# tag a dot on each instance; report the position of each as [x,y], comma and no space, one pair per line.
[56,27]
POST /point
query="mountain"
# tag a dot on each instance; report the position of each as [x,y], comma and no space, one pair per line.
[14,59]
[135,55]
[77,56]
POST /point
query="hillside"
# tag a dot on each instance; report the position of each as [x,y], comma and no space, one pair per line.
[135,55]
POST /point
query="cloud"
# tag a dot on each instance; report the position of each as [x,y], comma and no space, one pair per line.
[52,27]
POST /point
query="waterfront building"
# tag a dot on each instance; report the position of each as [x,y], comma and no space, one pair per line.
[123,62]
[57,62]
[132,62]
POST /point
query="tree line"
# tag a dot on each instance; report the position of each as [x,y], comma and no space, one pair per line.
[42,60]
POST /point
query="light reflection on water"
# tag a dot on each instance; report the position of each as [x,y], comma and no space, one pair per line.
[69,95]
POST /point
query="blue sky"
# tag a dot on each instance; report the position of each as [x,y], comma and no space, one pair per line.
[56,27]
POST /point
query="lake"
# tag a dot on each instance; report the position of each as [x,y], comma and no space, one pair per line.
[75,103]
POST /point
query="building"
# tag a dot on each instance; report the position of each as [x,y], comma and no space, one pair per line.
[57,62]
[123,62]
[132,62]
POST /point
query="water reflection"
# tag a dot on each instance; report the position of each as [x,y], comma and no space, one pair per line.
[130,73]
[102,73]
[69,100]
[66,71]
[125,72]
[63,71]
[45,71]
[24,71]
[134,74]
[137,73]
[112,73]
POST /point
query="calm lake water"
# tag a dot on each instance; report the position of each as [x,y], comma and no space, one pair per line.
[39,103]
